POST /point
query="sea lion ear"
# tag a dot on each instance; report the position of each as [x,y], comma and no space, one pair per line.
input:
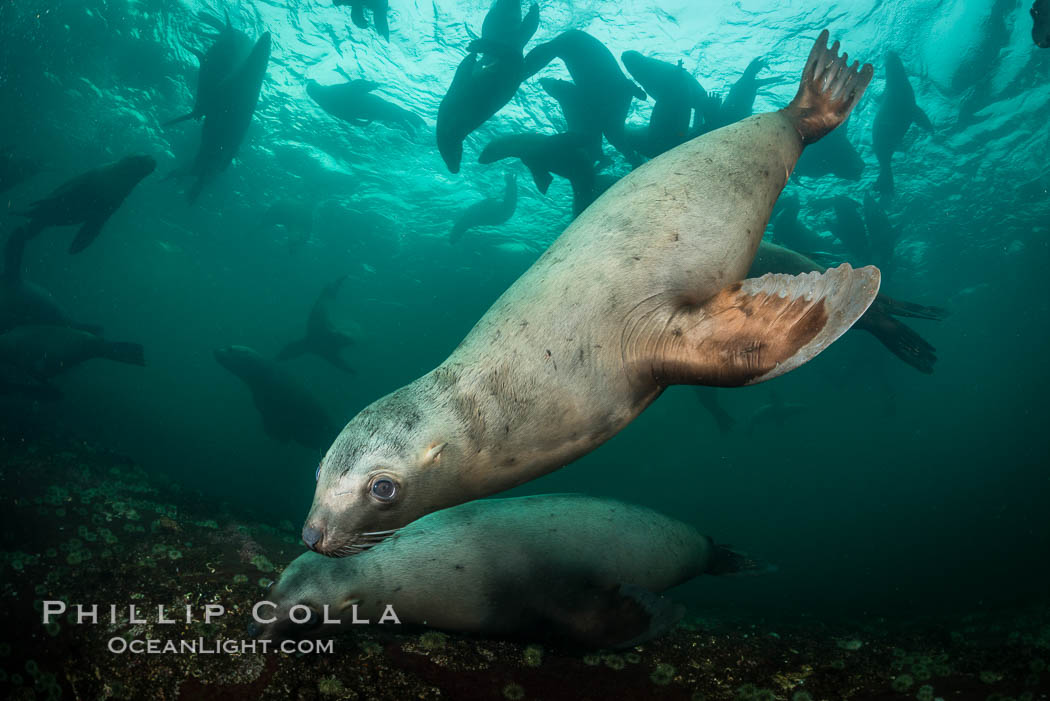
[433,453]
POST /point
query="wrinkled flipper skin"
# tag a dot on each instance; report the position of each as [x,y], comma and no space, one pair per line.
[751,331]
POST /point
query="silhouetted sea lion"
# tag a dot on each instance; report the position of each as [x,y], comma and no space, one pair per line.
[482,87]
[289,412]
[89,200]
[643,290]
[354,102]
[579,117]
[491,211]
[848,226]
[740,102]
[878,320]
[546,155]
[897,112]
[378,8]
[789,231]
[323,338]
[833,155]
[594,70]
[1041,23]
[560,565]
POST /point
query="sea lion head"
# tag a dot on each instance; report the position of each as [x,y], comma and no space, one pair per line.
[300,596]
[392,464]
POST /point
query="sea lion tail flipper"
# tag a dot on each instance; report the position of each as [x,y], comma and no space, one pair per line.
[357,16]
[726,561]
[122,352]
[294,349]
[829,90]
[382,23]
[541,177]
[898,307]
[87,233]
[750,331]
[529,24]
[900,339]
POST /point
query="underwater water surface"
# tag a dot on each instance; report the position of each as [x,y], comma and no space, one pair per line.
[875,490]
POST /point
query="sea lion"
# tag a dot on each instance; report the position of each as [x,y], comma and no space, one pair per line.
[789,231]
[15,170]
[848,225]
[491,211]
[378,8]
[565,565]
[594,70]
[882,235]
[222,58]
[481,87]
[226,125]
[896,114]
[44,352]
[289,412]
[834,155]
[1041,23]
[677,95]
[323,338]
[579,117]
[23,303]
[89,199]
[547,155]
[642,291]
[354,102]
[740,102]
[878,320]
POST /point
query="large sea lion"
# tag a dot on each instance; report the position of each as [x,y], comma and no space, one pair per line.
[644,290]
[89,199]
[226,124]
[482,86]
[878,320]
[379,10]
[289,412]
[740,102]
[559,564]
[547,155]
[604,87]
[491,211]
[1041,23]
[222,58]
[323,338]
[897,112]
[354,102]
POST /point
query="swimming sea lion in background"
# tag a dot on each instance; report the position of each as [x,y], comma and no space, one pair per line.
[848,225]
[24,304]
[740,102]
[354,102]
[564,565]
[378,8]
[643,290]
[44,352]
[491,211]
[834,155]
[89,200]
[1041,23]
[789,231]
[579,117]
[323,338]
[15,170]
[289,412]
[709,397]
[897,112]
[222,58]
[482,87]
[882,235]
[878,320]
[677,94]
[546,154]
[594,70]
[226,125]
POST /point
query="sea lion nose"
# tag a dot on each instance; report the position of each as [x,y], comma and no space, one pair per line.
[311,536]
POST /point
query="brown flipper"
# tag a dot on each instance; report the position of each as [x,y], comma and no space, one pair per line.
[829,90]
[751,331]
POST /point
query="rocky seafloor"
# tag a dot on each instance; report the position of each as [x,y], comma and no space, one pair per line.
[81,525]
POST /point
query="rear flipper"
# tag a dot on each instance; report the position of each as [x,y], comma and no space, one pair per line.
[829,90]
[749,332]
[899,339]
[726,561]
[357,16]
[129,353]
[87,234]
[618,617]
[897,307]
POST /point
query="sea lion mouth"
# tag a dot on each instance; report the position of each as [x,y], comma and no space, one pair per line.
[360,543]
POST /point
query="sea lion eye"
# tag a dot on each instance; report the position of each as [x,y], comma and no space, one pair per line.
[384,489]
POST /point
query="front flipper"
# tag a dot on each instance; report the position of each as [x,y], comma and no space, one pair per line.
[540,176]
[749,332]
[88,233]
[617,617]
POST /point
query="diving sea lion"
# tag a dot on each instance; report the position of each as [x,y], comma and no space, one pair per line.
[789,231]
[677,95]
[896,114]
[563,564]
[323,338]
[15,170]
[643,290]
[491,211]
[740,102]
[378,8]
[1041,23]
[289,412]
[834,155]
[604,87]
[878,320]
[481,88]
[579,117]
[226,125]
[44,352]
[222,58]
[354,102]
[546,155]
[89,199]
